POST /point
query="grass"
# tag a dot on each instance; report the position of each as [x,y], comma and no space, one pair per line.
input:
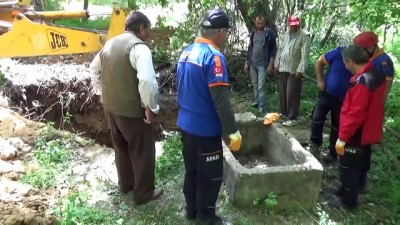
[51,153]
[2,78]
[96,24]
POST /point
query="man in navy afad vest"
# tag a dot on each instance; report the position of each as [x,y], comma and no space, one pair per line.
[205,115]
[332,88]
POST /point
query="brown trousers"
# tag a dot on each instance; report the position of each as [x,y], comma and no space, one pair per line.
[134,149]
[289,94]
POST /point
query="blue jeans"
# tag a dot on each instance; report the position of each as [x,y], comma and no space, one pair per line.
[258,78]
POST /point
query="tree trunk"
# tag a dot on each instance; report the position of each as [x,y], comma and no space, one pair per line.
[244,10]
[328,32]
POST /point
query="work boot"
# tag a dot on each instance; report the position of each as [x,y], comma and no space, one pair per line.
[154,195]
[330,191]
[290,123]
[216,220]
[190,214]
[337,202]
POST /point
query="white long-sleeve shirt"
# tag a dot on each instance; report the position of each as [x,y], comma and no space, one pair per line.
[141,61]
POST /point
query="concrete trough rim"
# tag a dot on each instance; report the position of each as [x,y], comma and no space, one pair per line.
[311,163]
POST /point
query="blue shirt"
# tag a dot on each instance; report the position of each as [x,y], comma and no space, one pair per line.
[200,66]
[383,64]
[337,77]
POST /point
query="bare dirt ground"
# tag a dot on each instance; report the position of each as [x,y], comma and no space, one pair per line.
[93,167]
[19,203]
[57,89]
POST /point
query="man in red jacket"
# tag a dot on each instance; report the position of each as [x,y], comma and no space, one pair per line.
[361,124]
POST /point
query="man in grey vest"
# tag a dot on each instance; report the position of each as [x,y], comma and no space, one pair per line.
[129,97]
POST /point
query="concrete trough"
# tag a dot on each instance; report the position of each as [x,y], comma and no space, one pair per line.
[271,160]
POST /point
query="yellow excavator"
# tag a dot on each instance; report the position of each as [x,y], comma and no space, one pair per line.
[25,32]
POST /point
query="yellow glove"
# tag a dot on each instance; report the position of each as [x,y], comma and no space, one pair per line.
[235,141]
[340,147]
[270,118]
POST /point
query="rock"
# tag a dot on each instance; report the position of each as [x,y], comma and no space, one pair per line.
[12,176]
[12,190]
[245,117]
[17,143]
[26,149]
[14,220]
[7,151]
[3,101]
[10,166]
[29,218]
[81,141]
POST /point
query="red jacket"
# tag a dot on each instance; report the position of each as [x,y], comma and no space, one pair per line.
[363,107]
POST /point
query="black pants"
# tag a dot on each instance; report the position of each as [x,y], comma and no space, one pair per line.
[203,177]
[326,103]
[353,169]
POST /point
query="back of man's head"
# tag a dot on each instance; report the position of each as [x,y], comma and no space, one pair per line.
[135,20]
[213,21]
[356,54]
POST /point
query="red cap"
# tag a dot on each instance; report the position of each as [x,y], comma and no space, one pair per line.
[294,20]
[366,39]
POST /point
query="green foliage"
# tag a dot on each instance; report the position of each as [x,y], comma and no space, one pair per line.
[268,204]
[371,14]
[96,24]
[73,210]
[170,164]
[51,152]
[2,79]
[161,21]
[161,55]
[53,156]
[187,30]
[323,217]
[52,5]
[43,177]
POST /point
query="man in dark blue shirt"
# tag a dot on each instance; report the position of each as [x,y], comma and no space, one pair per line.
[332,87]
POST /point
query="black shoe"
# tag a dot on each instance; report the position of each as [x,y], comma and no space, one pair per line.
[329,158]
[362,189]
[213,221]
[153,196]
[254,105]
[337,202]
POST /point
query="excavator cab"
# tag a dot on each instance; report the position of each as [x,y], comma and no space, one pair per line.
[25,32]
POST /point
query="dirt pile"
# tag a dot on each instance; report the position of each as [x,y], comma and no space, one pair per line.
[19,203]
[63,93]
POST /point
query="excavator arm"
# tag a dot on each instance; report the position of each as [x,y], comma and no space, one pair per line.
[26,36]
